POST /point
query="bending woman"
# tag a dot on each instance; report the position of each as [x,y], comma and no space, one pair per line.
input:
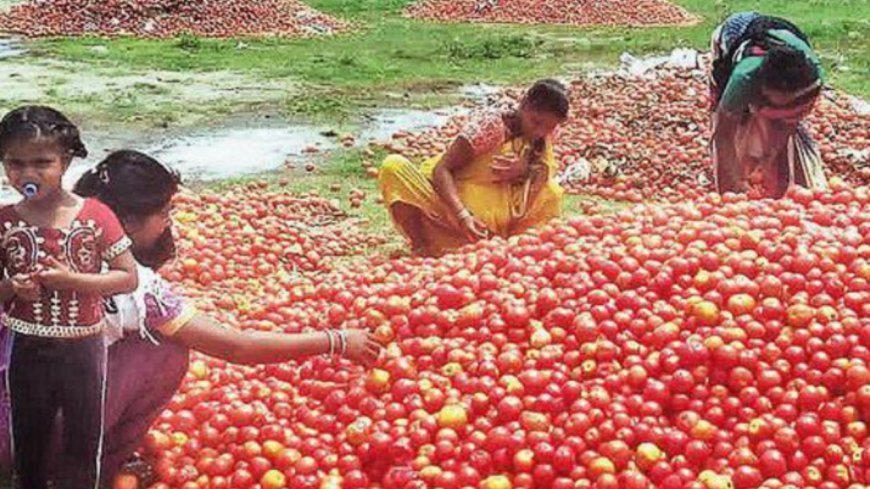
[143,375]
[765,80]
[497,177]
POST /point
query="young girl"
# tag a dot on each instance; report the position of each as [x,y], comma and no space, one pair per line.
[54,245]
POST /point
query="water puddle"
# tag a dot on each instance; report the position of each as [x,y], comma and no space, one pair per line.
[233,151]
[387,122]
[10,48]
[480,92]
[228,153]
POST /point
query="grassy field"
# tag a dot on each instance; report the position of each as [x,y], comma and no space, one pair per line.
[388,53]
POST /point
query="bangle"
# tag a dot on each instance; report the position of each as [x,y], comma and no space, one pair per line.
[331,342]
[342,335]
[463,214]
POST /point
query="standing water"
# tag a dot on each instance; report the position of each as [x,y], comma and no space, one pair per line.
[10,48]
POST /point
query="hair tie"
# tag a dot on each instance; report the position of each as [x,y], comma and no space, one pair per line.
[103,174]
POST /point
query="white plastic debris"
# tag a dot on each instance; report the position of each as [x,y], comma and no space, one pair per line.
[860,106]
[680,58]
[633,66]
[683,58]
[578,171]
[856,155]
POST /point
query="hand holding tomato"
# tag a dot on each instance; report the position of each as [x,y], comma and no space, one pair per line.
[362,347]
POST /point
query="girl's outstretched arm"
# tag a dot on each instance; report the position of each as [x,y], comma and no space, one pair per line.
[206,335]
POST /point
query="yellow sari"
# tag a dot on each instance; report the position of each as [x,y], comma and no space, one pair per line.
[507,209]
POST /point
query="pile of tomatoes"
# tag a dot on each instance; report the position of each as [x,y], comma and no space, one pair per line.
[714,343]
[166,18]
[570,12]
[234,243]
[650,135]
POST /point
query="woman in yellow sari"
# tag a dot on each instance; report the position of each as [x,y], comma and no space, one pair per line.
[497,178]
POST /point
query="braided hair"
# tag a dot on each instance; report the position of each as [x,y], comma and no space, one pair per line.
[135,186]
[32,122]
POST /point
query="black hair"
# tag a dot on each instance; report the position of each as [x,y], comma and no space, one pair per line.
[35,121]
[549,95]
[786,69]
[135,186]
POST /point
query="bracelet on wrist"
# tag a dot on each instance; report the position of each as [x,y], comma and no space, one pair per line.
[464,214]
[342,334]
[331,339]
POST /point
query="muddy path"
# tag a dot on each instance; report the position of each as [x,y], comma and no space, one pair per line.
[103,96]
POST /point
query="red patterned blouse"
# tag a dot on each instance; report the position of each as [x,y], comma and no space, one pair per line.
[486,130]
[94,237]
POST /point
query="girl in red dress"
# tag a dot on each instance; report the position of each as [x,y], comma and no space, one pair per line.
[60,255]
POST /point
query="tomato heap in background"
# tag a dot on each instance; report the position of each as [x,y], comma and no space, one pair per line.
[708,344]
[167,18]
[570,12]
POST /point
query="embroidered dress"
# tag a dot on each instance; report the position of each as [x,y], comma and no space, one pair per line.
[57,360]
[154,308]
[145,367]
[94,237]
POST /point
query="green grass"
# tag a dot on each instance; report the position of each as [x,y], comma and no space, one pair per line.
[388,52]
[392,51]
[572,204]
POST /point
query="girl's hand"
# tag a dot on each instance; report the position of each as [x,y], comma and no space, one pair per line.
[56,276]
[362,347]
[25,287]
